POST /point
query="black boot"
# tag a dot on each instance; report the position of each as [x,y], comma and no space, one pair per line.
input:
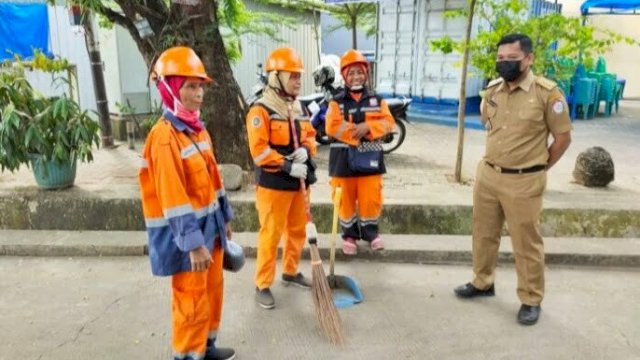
[468,291]
[215,353]
[528,315]
[297,280]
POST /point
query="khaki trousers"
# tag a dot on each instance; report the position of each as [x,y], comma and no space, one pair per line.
[518,199]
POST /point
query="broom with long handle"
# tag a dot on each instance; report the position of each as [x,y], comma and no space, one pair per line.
[325,308]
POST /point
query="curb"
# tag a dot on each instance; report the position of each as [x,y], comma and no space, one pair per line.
[386,256]
[35,210]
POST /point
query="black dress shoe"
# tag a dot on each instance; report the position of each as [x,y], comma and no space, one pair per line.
[468,291]
[220,354]
[528,315]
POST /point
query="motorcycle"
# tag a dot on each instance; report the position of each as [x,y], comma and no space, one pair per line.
[318,103]
[256,90]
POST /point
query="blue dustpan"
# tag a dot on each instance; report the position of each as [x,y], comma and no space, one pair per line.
[346,292]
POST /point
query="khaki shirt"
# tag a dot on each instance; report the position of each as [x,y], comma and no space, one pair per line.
[518,121]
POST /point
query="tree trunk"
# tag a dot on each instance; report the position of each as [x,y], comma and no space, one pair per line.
[354,34]
[352,12]
[97,72]
[197,26]
[463,94]
[224,108]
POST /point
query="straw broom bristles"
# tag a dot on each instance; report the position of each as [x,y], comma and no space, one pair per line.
[326,311]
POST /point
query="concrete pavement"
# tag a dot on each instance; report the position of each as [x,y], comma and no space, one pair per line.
[418,172]
[419,197]
[111,308]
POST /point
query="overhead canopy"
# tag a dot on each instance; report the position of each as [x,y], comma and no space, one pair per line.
[595,7]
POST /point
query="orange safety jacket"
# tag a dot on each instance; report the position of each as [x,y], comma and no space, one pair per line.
[270,140]
[183,198]
[343,114]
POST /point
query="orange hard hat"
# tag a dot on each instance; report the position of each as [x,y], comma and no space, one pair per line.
[353,57]
[179,61]
[284,59]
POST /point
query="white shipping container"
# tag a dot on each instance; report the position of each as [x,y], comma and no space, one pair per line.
[406,64]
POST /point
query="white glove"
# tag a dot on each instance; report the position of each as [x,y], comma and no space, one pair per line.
[298,171]
[299,156]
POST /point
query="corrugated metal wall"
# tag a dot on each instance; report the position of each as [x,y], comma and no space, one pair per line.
[406,64]
[256,48]
[68,42]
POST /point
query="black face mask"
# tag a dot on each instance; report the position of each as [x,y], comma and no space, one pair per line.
[509,70]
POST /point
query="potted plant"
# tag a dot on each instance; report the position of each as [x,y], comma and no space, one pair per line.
[50,134]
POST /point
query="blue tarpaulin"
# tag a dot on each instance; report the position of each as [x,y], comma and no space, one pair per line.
[23,28]
[610,7]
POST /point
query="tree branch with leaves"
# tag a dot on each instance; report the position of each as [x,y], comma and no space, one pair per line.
[213,29]
[554,35]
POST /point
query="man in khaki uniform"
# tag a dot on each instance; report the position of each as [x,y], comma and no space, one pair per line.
[519,111]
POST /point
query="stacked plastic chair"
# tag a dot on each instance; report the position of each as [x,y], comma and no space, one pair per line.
[620,83]
[607,93]
[563,77]
[587,88]
[584,97]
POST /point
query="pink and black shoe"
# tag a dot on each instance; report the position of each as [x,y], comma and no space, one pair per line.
[349,246]
[377,244]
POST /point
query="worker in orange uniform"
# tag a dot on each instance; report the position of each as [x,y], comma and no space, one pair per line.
[186,211]
[279,168]
[356,120]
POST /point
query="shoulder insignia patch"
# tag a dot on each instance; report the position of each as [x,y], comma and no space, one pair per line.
[494,82]
[545,83]
[558,107]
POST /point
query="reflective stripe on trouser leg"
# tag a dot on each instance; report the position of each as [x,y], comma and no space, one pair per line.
[522,204]
[294,235]
[369,192]
[347,209]
[488,219]
[196,307]
[215,291]
[273,208]
[188,356]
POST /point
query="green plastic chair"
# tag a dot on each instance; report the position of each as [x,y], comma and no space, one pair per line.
[619,92]
[585,95]
[595,75]
[607,93]
[601,65]
[565,86]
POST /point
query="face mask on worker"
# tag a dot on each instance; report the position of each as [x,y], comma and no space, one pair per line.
[509,70]
[179,110]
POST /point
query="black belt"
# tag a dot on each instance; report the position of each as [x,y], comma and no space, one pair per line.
[532,169]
